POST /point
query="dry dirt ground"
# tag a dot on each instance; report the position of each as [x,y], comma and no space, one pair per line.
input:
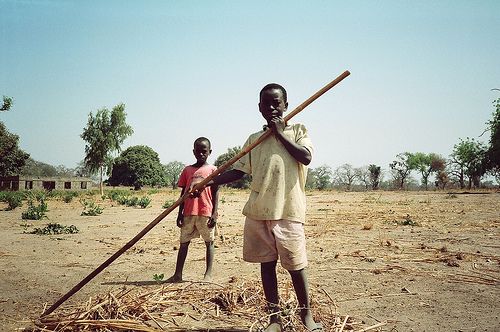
[407,261]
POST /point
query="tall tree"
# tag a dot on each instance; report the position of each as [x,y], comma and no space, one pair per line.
[402,167]
[375,176]
[363,175]
[345,175]
[173,170]
[242,183]
[427,164]
[104,134]
[320,177]
[138,166]
[12,158]
[467,160]
[493,151]
[6,104]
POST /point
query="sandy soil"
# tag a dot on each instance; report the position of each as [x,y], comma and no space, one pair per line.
[418,261]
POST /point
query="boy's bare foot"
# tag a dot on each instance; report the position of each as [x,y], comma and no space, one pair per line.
[173,279]
[273,327]
[310,324]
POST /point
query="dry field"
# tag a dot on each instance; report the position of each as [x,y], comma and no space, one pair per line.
[386,261]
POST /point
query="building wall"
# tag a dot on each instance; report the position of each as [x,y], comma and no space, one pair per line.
[16,183]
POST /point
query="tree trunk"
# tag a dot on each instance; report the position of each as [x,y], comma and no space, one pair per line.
[101,187]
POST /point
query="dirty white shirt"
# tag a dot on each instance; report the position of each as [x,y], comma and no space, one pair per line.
[278,180]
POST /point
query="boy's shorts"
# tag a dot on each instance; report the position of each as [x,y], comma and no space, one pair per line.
[266,240]
[195,226]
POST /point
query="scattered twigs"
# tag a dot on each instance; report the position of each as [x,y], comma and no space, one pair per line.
[373,327]
[239,306]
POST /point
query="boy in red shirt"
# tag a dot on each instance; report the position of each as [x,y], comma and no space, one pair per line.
[197,215]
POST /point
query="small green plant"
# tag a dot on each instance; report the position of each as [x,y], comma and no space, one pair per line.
[158,277]
[168,203]
[55,228]
[14,200]
[116,194]
[407,221]
[451,195]
[68,196]
[132,201]
[144,202]
[223,200]
[35,212]
[90,208]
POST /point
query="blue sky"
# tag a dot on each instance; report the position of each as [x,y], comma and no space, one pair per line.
[421,73]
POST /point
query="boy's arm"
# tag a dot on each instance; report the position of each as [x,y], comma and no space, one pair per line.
[215,204]
[299,152]
[180,215]
[226,177]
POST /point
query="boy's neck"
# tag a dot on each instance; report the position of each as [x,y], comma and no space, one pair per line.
[197,164]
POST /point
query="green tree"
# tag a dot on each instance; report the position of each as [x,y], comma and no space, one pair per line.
[38,168]
[12,158]
[468,160]
[427,164]
[104,134]
[402,167]
[244,182]
[493,151]
[138,166]
[375,176]
[173,170]
[7,103]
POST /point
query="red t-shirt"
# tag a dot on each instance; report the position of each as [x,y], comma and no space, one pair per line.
[202,205]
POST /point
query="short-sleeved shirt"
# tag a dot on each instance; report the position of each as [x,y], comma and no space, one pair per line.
[202,205]
[278,180]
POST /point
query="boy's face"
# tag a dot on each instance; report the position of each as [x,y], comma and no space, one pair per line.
[272,104]
[201,151]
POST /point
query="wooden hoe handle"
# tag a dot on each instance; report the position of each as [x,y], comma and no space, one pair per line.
[181,199]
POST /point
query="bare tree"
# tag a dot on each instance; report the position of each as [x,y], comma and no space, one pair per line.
[345,175]
[363,175]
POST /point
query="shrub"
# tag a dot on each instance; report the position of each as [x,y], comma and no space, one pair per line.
[68,196]
[117,194]
[55,228]
[132,201]
[168,203]
[144,202]
[90,208]
[14,199]
[35,212]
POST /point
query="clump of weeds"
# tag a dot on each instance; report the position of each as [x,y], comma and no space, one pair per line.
[90,208]
[54,229]
[168,203]
[35,212]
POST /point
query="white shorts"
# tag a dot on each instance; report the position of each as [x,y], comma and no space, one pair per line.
[266,240]
[195,226]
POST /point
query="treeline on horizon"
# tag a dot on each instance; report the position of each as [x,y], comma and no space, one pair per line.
[471,164]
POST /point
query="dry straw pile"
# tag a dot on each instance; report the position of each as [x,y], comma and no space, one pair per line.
[237,306]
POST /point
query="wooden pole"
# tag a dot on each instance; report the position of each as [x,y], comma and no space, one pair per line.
[181,199]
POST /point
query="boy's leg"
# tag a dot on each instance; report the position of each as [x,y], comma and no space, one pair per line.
[270,285]
[209,260]
[299,280]
[179,266]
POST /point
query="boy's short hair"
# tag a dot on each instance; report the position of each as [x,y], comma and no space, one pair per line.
[202,139]
[272,86]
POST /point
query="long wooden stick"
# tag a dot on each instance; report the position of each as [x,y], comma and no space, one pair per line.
[181,199]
